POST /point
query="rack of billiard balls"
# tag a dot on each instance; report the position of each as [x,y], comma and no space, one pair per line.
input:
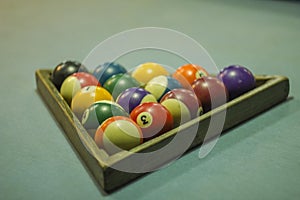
[122,109]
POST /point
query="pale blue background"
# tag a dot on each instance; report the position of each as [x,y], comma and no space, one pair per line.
[258,160]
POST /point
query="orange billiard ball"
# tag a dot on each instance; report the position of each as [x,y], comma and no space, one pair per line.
[188,73]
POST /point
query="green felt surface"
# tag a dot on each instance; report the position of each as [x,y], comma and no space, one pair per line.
[259,159]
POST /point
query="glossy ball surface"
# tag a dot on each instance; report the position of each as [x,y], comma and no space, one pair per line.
[188,73]
[187,97]
[179,111]
[146,71]
[99,111]
[237,79]
[107,70]
[160,85]
[65,69]
[211,92]
[153,118]
[73,83]
[120,82]
[132,97]
[118,133]
[86,97]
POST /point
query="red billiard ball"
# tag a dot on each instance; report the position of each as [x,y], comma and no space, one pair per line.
[65,69]
[211,92]
[73,83]
[153,118]
[188,73]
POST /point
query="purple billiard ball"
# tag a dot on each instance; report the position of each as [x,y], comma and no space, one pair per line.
[237,80]
[132,97]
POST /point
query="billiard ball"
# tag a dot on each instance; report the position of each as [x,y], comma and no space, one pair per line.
[160,85]
[187,97]
[237,79]
[107,70]
[73,83]
[211,92]
[132,97]
[120,82]
[146,71]
[118,133]
[153,118]
[65,69]
[188,73]
[99,111]
[86,97]
[179,111]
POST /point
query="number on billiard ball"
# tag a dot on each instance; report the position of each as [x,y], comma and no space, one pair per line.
[86,97]
[188,73]
[153,118]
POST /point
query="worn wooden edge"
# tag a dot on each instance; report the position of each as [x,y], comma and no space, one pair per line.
[270,91]
[71,125]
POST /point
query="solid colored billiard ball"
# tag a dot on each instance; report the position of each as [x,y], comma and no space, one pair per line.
[146,71]
[153,118]
[99,111]
[160,85]
[188,73]
[210,91]
[118,133]
[120,82]
[73,83]
[65,69]
[86,97]
[107,70]
[237,79]
[187,97]
[132,97]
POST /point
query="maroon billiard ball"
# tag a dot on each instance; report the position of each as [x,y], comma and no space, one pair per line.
[187,97]
[211,92]
[153,118]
